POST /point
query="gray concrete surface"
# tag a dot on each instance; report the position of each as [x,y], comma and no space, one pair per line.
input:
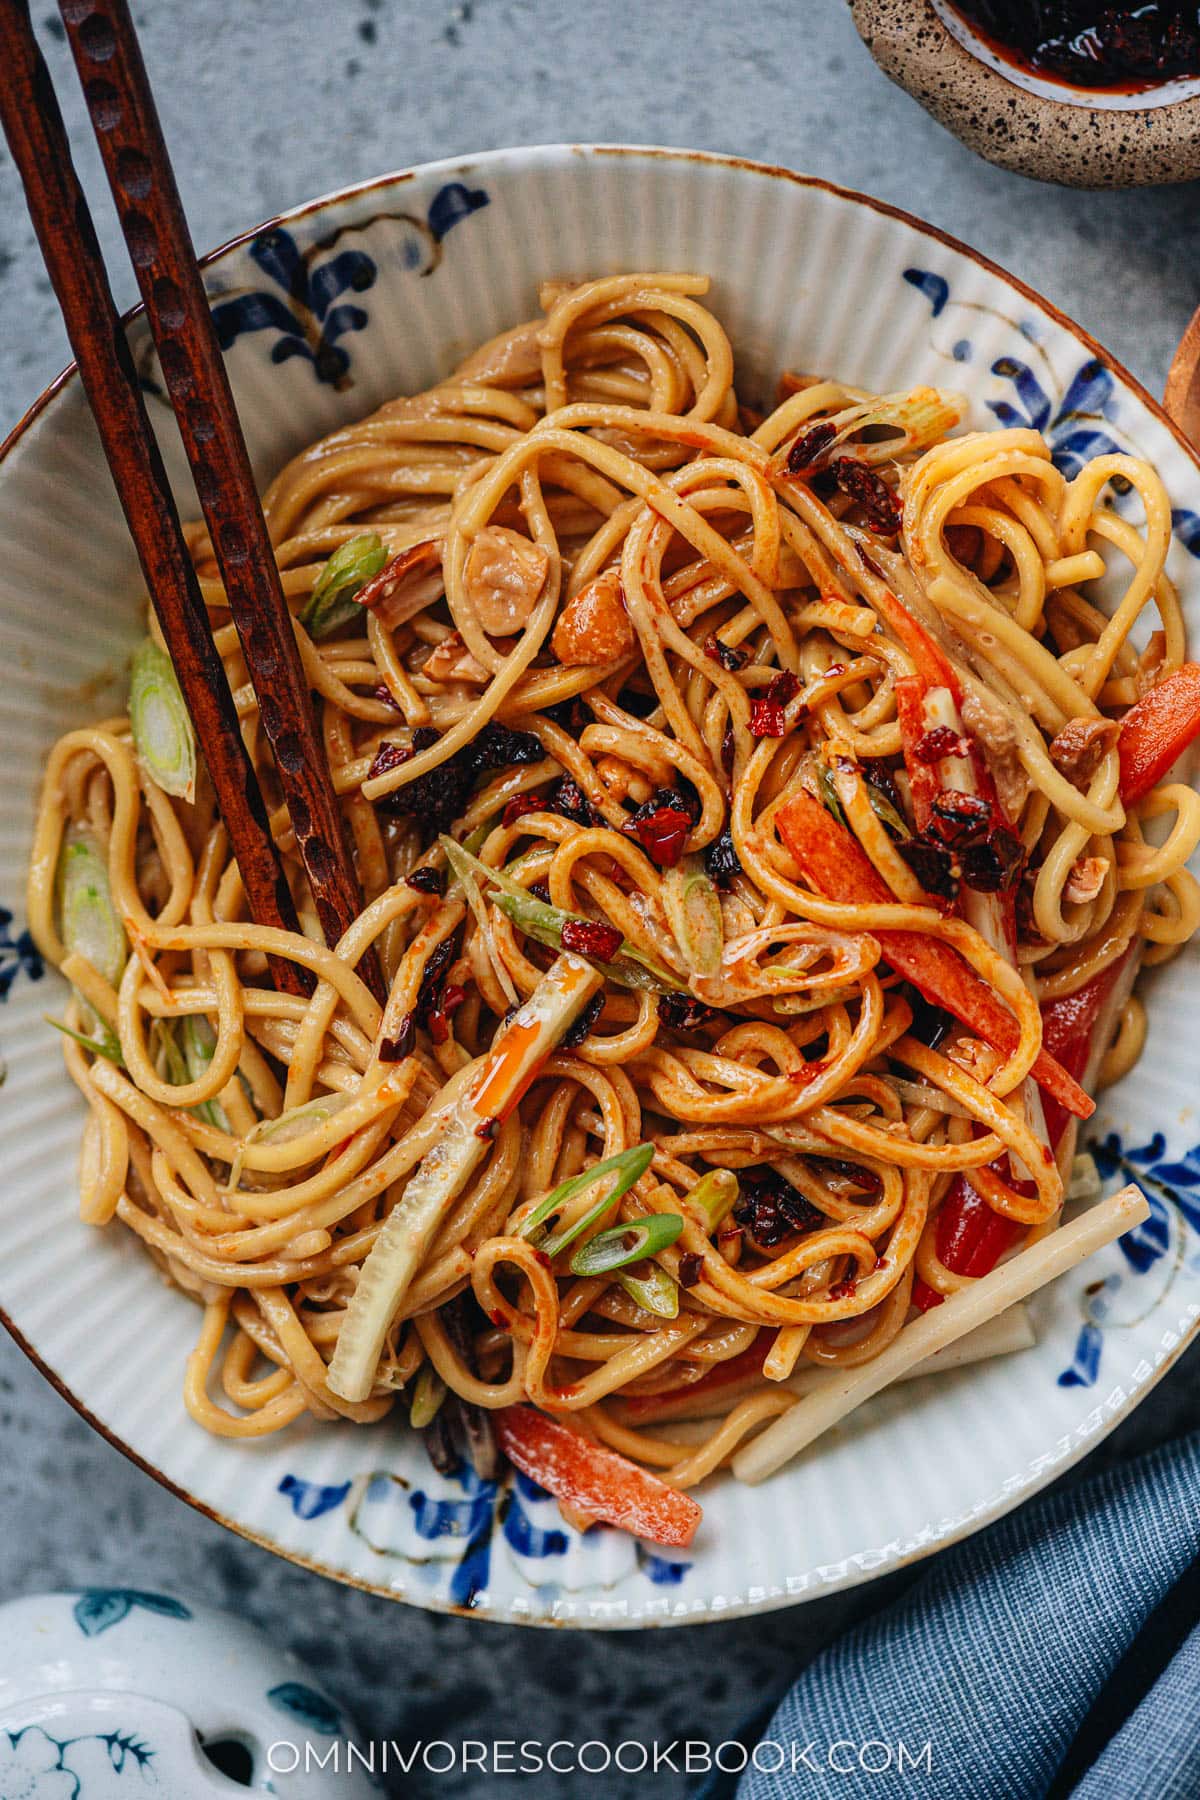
[266,103]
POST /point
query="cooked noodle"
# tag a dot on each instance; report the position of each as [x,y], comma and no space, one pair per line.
[685,613]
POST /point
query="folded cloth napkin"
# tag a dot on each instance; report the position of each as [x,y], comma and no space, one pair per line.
[995,1658]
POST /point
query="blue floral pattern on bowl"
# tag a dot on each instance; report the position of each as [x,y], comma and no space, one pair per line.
[36,1766]
[99,1609]
[308,322]
[19,955]
[299,1701]
[454,1532]
[1078,419]
[1159,1245]
[309,316]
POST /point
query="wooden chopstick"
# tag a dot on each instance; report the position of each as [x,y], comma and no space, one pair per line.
[121,107]
[38,141]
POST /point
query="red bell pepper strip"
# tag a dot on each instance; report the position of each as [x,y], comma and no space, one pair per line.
[922,776]
[593,1479]
[1067,1028]
[835,865]
[932,664]
[971,1237]
[1157,730]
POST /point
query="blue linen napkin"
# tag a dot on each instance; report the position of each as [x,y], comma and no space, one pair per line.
[995,1658]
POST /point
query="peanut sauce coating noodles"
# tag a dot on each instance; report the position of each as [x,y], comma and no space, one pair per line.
[761,824]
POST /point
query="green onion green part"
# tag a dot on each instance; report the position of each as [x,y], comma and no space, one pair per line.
[716,1194]
[166,1054]
[627,1167]
[105,1043]
[162,728]
[199,1046]
[885,812]
[655,1292]
[624,1244]
[693,908]
[538,919]
[428,1393]
[829,799]
[331,602]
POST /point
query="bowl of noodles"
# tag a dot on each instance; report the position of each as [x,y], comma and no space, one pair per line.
[749,634]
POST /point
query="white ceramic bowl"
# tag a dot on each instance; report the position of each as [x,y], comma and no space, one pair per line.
[113,1691]
[326,313]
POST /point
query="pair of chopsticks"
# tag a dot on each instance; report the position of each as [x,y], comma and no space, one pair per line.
[121,107]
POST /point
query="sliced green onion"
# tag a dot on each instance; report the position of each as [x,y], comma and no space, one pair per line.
[199,1047]
[106,1043]
[628,969]
[921,417]
[162,728]
[167,1056]
[331,602]
[88,919]
[428,1394]
[297,1121]
[885,812]
[538,919]
[468,880]
[693,908]
[183,1050]
[627,1166]
[288,1125]
[623,1244]
[716,1194]
[828,792]
[655,1292]
[474,841]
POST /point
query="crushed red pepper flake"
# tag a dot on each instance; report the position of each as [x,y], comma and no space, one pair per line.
[395,1049]
[783,688]
[588,937]
[810,446]
[940,741]
[427,880]
[871,492]
[519,805]
[662,830]
[389,756]
[730,658]
[767,719]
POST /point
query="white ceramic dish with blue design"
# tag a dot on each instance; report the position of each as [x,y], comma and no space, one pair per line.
[112,1693]
[324,315]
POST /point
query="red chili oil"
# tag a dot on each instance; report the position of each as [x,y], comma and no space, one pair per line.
[1090,45]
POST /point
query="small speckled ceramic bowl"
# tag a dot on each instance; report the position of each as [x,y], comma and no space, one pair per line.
[1035,127]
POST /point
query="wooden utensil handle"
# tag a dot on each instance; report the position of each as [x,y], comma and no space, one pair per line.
[119,100]
[38,141]
[1181,396]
